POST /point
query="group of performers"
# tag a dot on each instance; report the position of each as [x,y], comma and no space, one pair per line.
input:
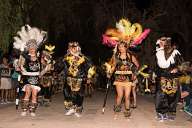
[125,68]
[36,66]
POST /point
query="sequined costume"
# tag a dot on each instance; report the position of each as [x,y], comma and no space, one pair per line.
[124,70]
[77,70]
[167,93]
[47,79]
[28,41]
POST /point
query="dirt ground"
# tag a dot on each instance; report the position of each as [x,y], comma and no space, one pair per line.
[53,116]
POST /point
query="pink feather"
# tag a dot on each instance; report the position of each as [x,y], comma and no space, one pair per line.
[108,41]
[141,37]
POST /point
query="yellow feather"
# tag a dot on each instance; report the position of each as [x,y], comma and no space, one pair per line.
[50,47]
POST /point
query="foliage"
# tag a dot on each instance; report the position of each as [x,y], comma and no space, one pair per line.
[10,22]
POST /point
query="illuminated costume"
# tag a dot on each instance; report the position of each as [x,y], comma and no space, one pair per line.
[28,41]
[47,79]
[167,94]
[128,35]
[77,71]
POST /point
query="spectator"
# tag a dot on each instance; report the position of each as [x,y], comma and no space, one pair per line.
[5,80]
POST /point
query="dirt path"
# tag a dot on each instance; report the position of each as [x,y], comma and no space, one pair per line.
[53,116]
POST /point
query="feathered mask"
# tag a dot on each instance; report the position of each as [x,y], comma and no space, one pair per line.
[132,34]
[29,37]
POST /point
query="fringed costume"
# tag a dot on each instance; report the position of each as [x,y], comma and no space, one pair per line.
[167,94]
[78,70]
[28,41]
[124,64]
[47,79]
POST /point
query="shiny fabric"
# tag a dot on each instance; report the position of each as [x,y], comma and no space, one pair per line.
[31,66]
[123,71]
[167,84]
[75,73]
[74,83]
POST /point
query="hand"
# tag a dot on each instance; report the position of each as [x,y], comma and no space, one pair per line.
[88,81]
[109,75]
[175,70]
[18,69]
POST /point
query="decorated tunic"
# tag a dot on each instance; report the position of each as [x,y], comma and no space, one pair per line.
[77,69]
[169,83]
[31,71]
[124,70]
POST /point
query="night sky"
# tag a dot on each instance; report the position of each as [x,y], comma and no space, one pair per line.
[86,20]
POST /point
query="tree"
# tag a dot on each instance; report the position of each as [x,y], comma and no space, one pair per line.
[10,22]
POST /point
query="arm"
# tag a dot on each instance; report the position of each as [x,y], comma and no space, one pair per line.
[135,61]
[178,61]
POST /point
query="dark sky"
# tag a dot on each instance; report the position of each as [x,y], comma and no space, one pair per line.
[86,20]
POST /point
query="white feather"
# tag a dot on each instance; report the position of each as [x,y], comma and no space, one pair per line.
[22,36]
[27,33]
[158,42]
[39,36]
[120,27]
[28,27]
[161,60]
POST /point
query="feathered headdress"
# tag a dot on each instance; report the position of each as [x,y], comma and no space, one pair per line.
[29,37]
[131,34]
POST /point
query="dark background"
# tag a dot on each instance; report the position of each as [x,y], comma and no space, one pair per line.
[86,20]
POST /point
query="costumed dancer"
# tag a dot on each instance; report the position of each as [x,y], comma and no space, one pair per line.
[77,71]
[123,63]
[28,41]
[47,79]
[167,93]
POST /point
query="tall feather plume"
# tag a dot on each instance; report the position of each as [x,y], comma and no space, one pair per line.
[28,33]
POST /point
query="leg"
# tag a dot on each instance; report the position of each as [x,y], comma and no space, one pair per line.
[2,95]
[78,103]
[127,100]
[6,95]
[78,99]
[118,100]
[119,96]
[68,101]
[127,96]
[34,101]
[46,92]
[25,103]
[161,105]
[172,103]
[67,97]
[27,92]
[134,96]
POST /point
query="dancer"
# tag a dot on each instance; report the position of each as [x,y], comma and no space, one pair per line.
[123,63]
[78,70]
[125,68]
[28,41]
[47,79]
[167,94]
